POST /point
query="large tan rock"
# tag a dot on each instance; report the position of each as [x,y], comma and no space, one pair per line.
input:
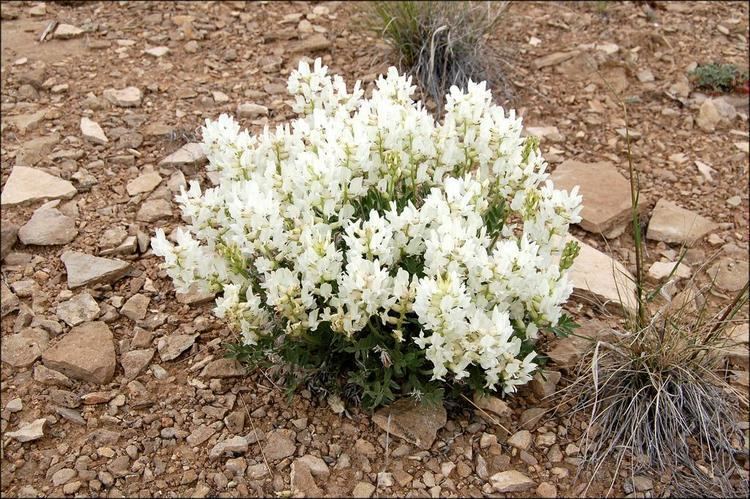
[86,352]
[417,423]
[48,226]
[30,184]
[86,269]
[672,224]
[605,192]
[598,278]
[511,481]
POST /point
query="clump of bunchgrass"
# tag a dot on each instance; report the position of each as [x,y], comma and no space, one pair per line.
[656,396]
[442,43]
[718,77]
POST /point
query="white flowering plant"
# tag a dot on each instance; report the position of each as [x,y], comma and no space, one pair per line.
[375,250]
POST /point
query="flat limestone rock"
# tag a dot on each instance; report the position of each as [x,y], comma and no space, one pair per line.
[135,361]
[79,309]
[554,59]
[30,431]
[414,422]
[9,302]
[83,269]
[606,193]
[146,182]
[194,295]
[48,226]
[223,368]
[188,155]
[126,97]
[672,224]
[728,274]
[65,31]
[86,353]
[153,210]
[24,348]
[34,150]
[92,132]
[511,481]
[28,122]
[30,184]
[597,276]
[171,346]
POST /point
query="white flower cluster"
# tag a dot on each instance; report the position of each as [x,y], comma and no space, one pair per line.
[367,213]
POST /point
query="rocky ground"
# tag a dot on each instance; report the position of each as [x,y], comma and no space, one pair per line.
[113,385]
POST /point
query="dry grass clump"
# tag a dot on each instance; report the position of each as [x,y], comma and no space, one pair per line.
[657,400]
[441,43]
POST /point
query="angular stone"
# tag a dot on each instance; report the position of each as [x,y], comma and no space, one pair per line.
[153,210]
[9,302]
[219,97]
[554,59]
[550,133]
[313,43]
[520,440]
[112,237]
[83,269]
[673,224]
[302,482]
[194,295]
[492,405]
[190,154]
[135,361]
[544,384]
[127,247]
[157,51]
[22,349]
[65,398]
[34,150]
[146,182]
[79,309]
[127,97]
[223,368]
[279,444]
[416,423]
[48,226]
[714,112]
[136,307]
[596,276]
[8,238]
[28,122]
[251,110]
[530,418]
[47,376]
[363,489]
[316,465]
[92,132]
[171,346]
[729,275]
[230,446]
[199,435]
[29,431]
[86,353]
[511,481]
[606,193]
[660,270]
[29,184]
[65,31]
[566,352]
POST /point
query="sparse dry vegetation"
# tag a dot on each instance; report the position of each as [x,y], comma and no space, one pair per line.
[442,43]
